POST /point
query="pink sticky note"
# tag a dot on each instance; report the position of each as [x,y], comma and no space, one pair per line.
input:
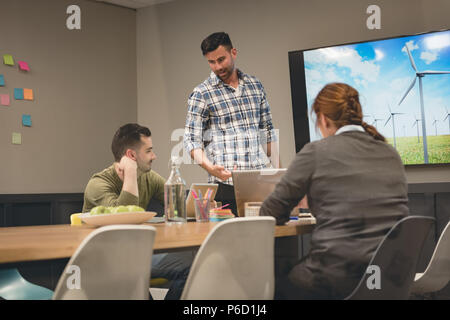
[4,99]
[23,66]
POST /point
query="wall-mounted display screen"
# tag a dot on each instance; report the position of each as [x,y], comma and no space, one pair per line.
[404,87]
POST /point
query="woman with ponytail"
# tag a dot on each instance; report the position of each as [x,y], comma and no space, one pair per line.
[356,189]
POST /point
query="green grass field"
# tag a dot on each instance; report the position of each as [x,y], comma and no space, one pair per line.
[411,151]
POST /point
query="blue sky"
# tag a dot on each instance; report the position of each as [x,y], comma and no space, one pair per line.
[381,72]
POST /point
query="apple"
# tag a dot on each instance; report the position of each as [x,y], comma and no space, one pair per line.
[133,208]
[98,210]
[120,209]
[109,210]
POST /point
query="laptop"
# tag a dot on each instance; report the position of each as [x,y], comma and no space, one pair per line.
[254,185]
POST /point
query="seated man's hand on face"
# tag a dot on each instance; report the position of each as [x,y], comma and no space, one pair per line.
[127,166]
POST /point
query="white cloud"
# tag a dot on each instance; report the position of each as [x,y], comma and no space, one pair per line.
[437,42]
[317,78]
[363,71]
[411,46]
[428,56]
[378,54]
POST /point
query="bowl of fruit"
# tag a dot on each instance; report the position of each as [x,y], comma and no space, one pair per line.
[101,215]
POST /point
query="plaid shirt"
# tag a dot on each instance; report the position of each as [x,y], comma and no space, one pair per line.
[231,125]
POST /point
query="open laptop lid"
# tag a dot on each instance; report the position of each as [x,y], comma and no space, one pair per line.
[254,185]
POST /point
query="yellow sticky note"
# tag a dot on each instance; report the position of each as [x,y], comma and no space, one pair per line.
[28,94]
[8,59]
[16,138]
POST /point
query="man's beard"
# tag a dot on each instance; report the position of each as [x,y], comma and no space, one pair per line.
[228,73]
[142,170]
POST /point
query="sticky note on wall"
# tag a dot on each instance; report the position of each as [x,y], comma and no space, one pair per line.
[18,93]
[2,80]
[8,59]
[28,94]
[4,99]
[16,138]
[23,66]
[26,120]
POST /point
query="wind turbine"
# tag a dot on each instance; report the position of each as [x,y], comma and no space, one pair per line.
[416,124]
[447,116]
[375,120]
[392,115]
[420,75]
[435,124]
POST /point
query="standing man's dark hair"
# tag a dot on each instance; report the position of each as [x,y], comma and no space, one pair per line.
[127,137]
[213,41]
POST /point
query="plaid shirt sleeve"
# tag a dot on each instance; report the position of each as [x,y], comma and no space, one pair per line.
[265,125]
[197,120]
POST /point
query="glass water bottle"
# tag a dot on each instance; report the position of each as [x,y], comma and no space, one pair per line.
[174,195]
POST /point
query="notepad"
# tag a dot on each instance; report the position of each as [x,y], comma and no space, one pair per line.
[4,99]
[23,66]
[26,120]
[8,59]
[28,94]
[2,80]
[16,138]
[18,93]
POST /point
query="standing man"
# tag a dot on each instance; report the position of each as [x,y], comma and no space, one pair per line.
[229,123]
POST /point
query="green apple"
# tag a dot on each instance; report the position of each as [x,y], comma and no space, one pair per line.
[108,210]
[120,209]
[98,210]
[133,208]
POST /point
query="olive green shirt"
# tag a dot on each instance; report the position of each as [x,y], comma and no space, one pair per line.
[105,189]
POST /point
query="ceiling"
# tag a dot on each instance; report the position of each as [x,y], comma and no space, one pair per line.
[134,4]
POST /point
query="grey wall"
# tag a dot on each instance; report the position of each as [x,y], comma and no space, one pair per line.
[170,63]
[84,83]
[126,65]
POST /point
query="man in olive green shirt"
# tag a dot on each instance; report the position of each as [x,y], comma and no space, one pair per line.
[130,181]
[105,188]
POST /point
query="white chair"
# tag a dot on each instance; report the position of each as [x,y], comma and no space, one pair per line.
[437,274]
[113,262]
[235,262]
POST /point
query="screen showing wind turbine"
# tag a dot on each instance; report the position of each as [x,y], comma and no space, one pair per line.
[404,87]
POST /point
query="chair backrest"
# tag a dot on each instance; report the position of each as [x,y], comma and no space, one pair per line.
[235,262]
[113,262]
[392,269]
[437,274]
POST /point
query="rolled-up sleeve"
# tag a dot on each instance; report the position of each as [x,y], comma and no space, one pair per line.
[265,123]
[293,186]
[196,122]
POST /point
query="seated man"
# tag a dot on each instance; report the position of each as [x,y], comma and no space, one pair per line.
[130,181]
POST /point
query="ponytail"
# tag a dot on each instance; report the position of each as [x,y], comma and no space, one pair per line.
[373,131]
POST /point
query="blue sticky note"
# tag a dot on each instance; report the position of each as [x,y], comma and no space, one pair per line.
[2,80]
[26,120]
[18,93]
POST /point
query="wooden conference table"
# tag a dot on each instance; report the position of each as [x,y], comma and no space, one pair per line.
[31,243]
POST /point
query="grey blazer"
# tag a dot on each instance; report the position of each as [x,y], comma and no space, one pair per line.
[357,190]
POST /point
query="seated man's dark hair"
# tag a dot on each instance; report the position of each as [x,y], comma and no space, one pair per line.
[213,41]
[127,137]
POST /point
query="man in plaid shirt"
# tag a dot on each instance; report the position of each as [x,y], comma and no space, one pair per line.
[229,123]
